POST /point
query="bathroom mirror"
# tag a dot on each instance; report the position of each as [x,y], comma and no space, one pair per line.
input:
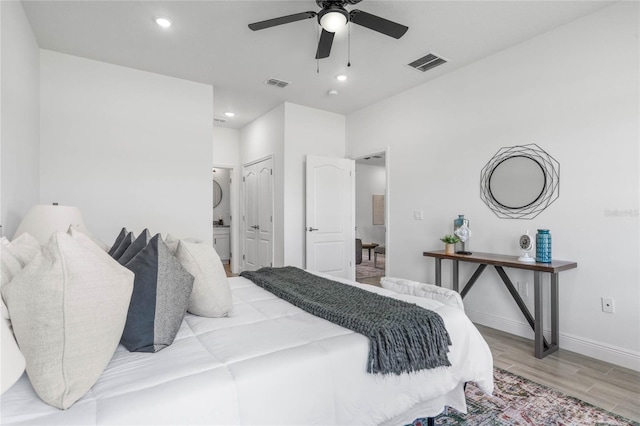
[217,194]
[519,182]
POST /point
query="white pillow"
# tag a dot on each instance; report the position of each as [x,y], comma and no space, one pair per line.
[103,246]
[442,295]
[24,248]
[12,364]
[68,309]
[172,243]
[13,257]
[211,295]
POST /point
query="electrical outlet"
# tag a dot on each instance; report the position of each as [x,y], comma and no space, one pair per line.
[607,305]
[523,288]
[418,215]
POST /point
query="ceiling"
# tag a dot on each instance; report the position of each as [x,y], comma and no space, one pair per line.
[210,43]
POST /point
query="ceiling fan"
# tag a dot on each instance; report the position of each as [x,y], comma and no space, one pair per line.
[331,18]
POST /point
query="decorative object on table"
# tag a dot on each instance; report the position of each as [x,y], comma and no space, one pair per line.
[520,181]
[450,243]
[462,231]
[526,244]
[543,246]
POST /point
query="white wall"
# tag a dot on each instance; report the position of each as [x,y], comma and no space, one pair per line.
[553,91]
[370,180]
[129,148]
[226,153]
[20,117]
[289,132]
[261,138]
[308,131]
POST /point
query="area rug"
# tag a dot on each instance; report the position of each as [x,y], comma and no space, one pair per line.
[366,268]
[518,401]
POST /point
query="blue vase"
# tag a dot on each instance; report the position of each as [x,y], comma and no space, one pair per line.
[543,246]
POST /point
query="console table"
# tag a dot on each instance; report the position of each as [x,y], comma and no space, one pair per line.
[499,262]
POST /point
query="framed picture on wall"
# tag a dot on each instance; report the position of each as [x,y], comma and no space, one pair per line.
[378,209]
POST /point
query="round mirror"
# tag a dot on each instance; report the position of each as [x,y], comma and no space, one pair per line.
[217,194]
[517,182]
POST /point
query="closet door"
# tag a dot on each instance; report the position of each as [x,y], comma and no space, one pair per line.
[257,219]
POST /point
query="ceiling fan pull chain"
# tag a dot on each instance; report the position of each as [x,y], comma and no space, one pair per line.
[349,46]
[317,43]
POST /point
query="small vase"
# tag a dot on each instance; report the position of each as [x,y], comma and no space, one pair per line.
[543,246]
[449,249]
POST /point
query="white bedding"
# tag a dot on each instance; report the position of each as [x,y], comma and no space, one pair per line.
[269,363]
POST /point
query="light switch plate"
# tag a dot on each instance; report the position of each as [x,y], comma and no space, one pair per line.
[418,214]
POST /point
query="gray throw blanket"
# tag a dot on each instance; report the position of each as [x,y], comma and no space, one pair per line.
[403,337]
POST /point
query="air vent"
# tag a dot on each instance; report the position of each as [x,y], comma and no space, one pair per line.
[277,83]
[220,119]
[427,62]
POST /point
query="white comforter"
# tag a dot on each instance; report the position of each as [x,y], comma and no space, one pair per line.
[269,363]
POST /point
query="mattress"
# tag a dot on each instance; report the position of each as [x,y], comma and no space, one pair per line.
[269,363]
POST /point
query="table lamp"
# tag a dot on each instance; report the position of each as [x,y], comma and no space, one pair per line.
[45,219]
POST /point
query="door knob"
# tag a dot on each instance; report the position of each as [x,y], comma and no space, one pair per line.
[312,229]
[256,227]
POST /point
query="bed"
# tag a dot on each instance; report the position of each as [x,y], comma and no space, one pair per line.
[268,363]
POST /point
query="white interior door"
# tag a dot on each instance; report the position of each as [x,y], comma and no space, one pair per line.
[330,217]
[257,219]
[264,217]
[249,219]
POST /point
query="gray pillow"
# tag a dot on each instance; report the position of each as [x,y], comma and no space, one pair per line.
[135,247]
[160,298]
[124,245]
[123,233]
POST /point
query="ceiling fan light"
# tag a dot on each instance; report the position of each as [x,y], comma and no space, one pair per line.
[333,20]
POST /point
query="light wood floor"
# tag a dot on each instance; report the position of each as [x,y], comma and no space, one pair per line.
[604,385]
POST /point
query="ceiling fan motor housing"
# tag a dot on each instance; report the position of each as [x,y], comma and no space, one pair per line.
[327,3]
[330,10]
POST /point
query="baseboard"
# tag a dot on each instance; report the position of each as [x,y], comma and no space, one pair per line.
[612,354]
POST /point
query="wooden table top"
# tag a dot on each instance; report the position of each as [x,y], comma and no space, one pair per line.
[504,260]
[370,245]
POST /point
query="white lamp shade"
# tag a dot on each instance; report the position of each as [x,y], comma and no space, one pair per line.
[333,21]
[43,220]
[12,361]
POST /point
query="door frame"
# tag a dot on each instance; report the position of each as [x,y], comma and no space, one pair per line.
[241,264]
[233,211]
[387,211]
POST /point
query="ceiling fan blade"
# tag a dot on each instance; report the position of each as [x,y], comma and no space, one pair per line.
[376,23]
[281,20]
[324,46]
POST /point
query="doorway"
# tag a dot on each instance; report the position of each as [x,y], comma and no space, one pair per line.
[371,220]
[222,212]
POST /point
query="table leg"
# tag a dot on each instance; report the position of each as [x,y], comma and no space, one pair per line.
[438,272]
[555,324]
[369,250]
[454,273]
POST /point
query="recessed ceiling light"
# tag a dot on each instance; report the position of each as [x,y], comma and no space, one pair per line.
[163,22]
[230,114]
[333,92]
[341,77]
